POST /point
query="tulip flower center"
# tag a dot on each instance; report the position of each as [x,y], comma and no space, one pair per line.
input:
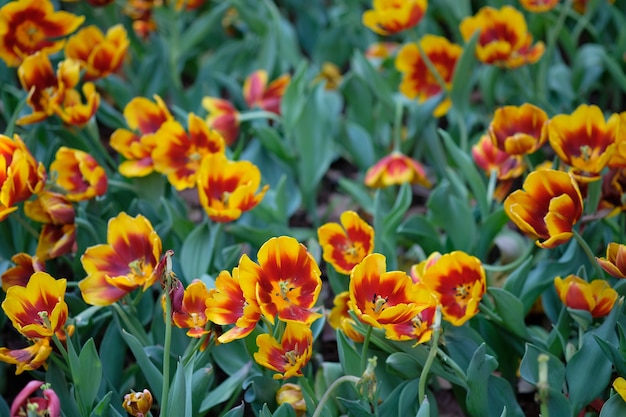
[28,33]
[463,291]
[291,357]
[284,288]
[585,152]
[379,302]
[136,267]
[45,320]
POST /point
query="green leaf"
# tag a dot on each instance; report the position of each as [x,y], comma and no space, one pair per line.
[453,215]
[359,145]
[363,69]
[274,143]
[615,406]
[591,360]
[478,372]
[529,367]
[404,365]
[461,85]
[356,408]
[511,310]
[420,230]
[103,405]
[408,401]
[424,410]
[179,397]
[201,381]
[285,410]
[359,193]
[348,356]
[515,281]
[152,374]
[195,254]
[226,389]
[236,411]
[90,370]
[615,70]
[468,170]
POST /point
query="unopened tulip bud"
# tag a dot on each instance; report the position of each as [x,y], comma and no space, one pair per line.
[292,395]
[138,404]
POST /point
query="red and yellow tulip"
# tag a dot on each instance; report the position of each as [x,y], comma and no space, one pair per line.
[504,39]
[178,154]
[79,174]
[395,169]
[25,267]
[192,314]
[37,310]
[346,244]
[258,93]
[458,282]
[417,80]
[136,144]
[227,305]
[29,358]
[519,130]
[226,188]
[29,26]
[339,317]
[125,263]
[289,355]
[584,140]
[99,54]
[285,282]
[20,174]
[223,117]
[380,297]
[615,261]
[539,6]
[596,297]
[392,16]
[548,207]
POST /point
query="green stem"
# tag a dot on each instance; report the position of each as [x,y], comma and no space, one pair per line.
[585,247]
[167,342]
[490,313]
[452,364]
[434,347]
[366,343]
[121,185]
[329,391]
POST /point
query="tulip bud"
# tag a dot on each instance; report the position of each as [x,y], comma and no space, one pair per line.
[292,395]
[138,404]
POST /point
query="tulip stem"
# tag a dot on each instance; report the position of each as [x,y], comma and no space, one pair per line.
[366,343]
[168,335]
[434,348]
[330,389]
[258,114]
[585,247]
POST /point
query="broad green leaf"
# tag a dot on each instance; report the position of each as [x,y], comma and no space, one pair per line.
[468,170]
[529,368]
[356,408]
[511,310]
[615,406]
[359,145]
[404,364]
[515,281]
[424,410]
[236,411]
[591,360]
[616,71]
[420,230]
[201,381]
[226,389]
[151,372]
[408,401]
[274,143]
[453,215]
[197,251]
[90,370]
[461,80]
[358,192]
[284,410]
[478,372]
[377,83]
[349,357]
[101,409]
[179,397]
